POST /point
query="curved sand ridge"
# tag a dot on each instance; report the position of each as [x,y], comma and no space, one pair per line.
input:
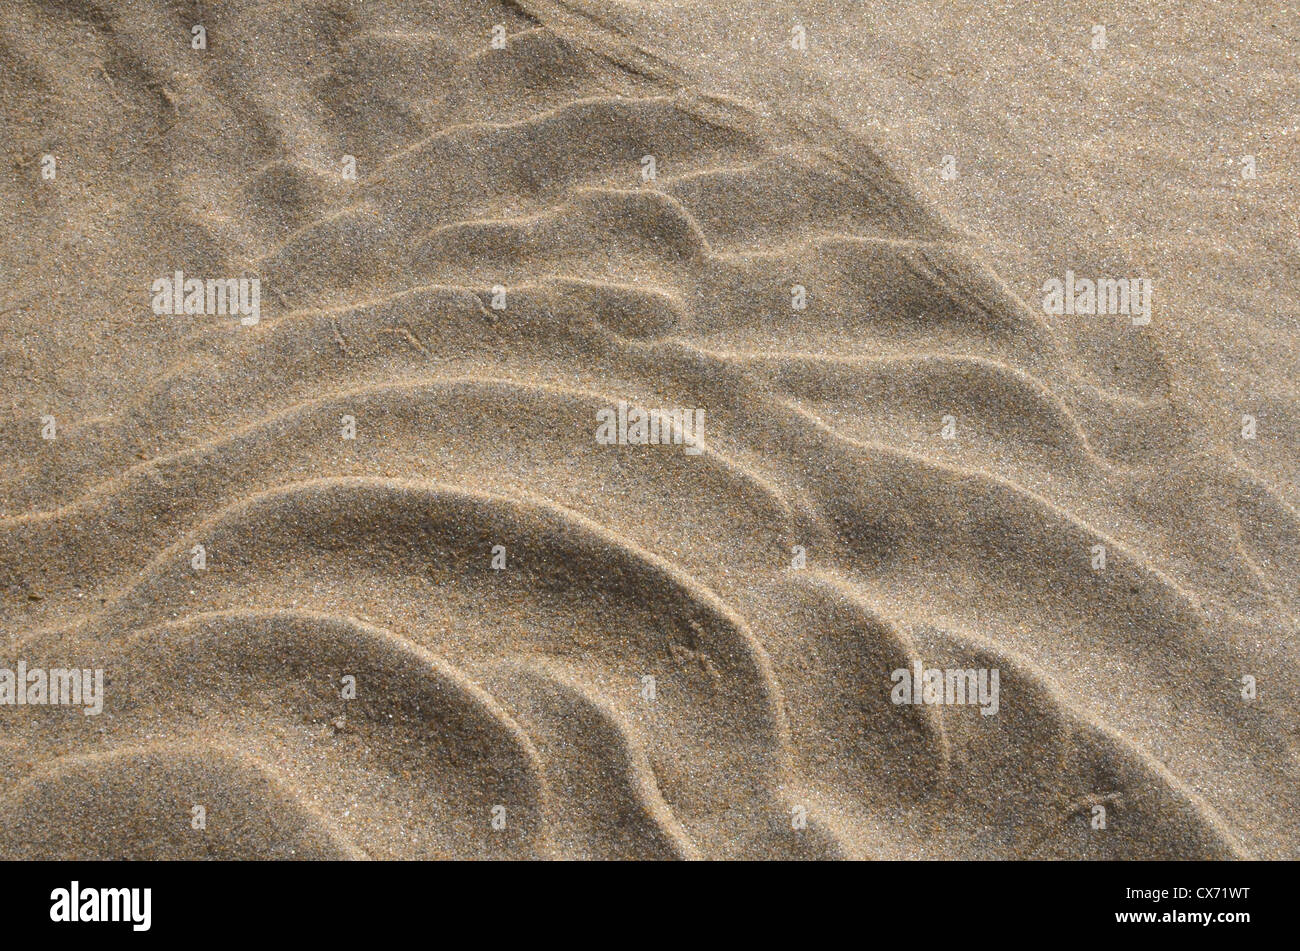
[519,694]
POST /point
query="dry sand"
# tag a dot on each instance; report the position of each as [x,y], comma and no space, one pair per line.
[676,654]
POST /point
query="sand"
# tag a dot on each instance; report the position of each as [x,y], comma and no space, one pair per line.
[387,572]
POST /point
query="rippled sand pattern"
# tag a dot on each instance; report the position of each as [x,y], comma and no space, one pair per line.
[505,712]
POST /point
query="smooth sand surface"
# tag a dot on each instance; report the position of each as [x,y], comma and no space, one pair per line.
[567,649]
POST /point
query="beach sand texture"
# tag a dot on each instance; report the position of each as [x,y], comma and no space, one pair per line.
[392,484]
